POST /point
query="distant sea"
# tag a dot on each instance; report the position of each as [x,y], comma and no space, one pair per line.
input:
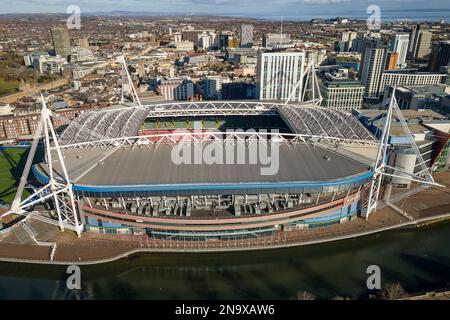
[386,15]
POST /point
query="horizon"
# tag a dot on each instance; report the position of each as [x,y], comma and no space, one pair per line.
[300,10]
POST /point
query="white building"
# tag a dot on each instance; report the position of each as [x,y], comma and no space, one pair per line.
[176,89]
[47,64]
[373,62]
[409,77]
[185,46]
[348,37]
[316,56]
[205,41]
[278,73]
[28,59]
[212,86]
[177,36]
[399,44]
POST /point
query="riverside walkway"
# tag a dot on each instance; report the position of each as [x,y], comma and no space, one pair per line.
[425,206]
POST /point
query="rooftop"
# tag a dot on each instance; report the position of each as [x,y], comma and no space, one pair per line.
[154,170]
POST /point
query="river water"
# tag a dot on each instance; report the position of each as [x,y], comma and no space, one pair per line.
[419,259]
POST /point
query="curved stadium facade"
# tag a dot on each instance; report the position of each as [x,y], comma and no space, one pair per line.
[125,181]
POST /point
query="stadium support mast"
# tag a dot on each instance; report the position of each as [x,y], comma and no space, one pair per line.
[60,190]
[381,168]
[127,78]
[310,84]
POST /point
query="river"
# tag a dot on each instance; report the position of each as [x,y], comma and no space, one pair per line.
[418,259]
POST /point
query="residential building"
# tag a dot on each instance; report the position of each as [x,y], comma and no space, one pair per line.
[61,42]
[173,89]
[347,38]
[278,74]
[391,61]
[212,86]
[399,44]
[373,62]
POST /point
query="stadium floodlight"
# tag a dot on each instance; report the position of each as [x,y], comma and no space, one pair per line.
[59,189]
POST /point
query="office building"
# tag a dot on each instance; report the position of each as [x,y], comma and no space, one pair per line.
[274,39]
[278,73]
[61,42]
[426,128]
[238,90]
[416,97]
[49,65]
[338,90]
[420,41]
[440,56]
[185,46]
[408,77]
[246,36]
[399,44]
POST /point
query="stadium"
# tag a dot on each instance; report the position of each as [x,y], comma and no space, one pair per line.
[124,181]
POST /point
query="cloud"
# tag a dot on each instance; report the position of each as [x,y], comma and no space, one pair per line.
[240,7]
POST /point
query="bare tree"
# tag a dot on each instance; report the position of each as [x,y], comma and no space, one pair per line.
[393,292]
[304,295]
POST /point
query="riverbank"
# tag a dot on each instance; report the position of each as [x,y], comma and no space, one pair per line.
[417,259]
[37,253]
[422,207]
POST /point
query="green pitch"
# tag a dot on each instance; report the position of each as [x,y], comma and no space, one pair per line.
[12,162]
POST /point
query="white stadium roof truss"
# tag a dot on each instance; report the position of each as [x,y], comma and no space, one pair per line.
[121,126]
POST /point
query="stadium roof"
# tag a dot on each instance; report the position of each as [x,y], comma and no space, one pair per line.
[126,122]
[152,169]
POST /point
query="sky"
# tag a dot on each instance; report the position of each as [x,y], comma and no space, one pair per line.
[290,9]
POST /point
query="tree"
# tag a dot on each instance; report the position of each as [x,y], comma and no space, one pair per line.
[393,292]
[304,295]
